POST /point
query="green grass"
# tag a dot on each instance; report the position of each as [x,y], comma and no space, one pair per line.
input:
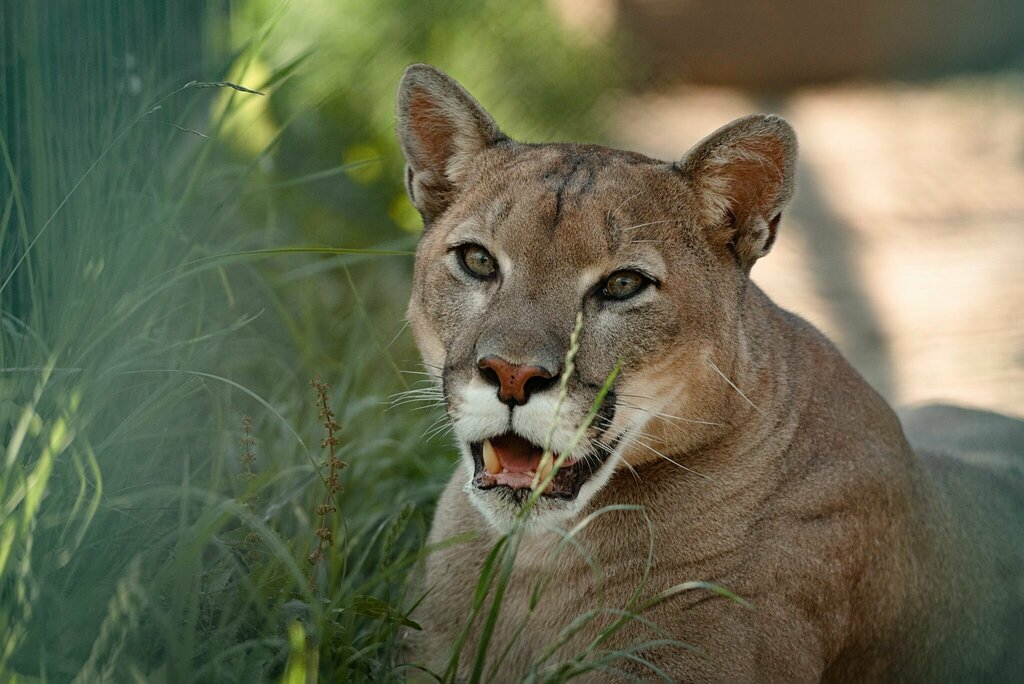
[141,322]
[178,253]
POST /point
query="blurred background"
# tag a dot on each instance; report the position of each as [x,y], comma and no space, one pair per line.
[201,209]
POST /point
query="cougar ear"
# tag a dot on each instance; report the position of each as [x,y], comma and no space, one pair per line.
[742,175]
[441,129]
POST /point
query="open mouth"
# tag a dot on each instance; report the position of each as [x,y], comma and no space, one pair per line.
[510,461]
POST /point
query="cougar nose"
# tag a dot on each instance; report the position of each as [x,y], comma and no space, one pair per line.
[514,383]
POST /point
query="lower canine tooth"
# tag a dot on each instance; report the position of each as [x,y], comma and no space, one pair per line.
[491,462]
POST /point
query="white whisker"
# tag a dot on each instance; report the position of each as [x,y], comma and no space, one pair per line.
[425,408]
[668,416]
[406,398]
[623,202]
[611,452]
[673,462]
[440,429]
[731,384]
[650,223]
[417,392]
[428,401]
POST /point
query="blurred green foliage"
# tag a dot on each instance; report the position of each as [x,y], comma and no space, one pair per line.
[538,79]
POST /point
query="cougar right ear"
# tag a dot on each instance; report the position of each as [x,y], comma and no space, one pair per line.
[742,175]
[441,129]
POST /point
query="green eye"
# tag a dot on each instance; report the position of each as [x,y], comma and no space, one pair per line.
[478,261]
[623,284]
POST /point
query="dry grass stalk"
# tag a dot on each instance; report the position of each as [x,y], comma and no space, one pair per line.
[248,460]
[334,466]
[248,457]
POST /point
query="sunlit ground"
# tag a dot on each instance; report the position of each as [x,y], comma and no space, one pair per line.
[904,240]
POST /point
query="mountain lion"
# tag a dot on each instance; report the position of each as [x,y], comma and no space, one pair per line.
[735,446]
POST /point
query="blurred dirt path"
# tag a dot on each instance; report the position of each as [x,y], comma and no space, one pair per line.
[905,239]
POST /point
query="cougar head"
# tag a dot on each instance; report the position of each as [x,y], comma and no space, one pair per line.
[522,239]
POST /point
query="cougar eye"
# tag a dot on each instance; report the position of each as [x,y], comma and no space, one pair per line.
[478,261]
[623,284]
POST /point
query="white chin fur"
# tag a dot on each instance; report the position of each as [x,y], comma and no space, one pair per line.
[501,514]
[481,415]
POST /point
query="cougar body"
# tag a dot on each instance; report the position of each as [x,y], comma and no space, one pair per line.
[734,445]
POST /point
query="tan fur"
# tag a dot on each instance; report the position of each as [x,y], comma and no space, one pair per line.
[761,460]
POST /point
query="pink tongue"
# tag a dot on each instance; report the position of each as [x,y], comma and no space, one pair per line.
[516,454]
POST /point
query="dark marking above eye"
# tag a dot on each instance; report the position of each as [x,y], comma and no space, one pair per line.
[576,177]
[560,190]
[588,183]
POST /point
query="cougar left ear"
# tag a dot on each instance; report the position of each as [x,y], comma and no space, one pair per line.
[441,128]
[742,177]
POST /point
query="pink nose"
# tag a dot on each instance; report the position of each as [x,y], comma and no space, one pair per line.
[515,383]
